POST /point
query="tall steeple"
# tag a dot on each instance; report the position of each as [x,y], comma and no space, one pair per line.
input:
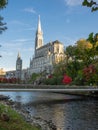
[39,36]
[39,24]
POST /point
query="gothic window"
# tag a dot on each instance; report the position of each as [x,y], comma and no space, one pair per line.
[58,49]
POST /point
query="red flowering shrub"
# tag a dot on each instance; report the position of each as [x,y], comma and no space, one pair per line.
[89,71]
[90,74]
[66,79]
[50,76]
[9,80]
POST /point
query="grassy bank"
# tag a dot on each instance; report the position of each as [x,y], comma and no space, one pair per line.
[14,122]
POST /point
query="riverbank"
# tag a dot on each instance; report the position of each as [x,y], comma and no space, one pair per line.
[20,118]
[10,119]
[31,86]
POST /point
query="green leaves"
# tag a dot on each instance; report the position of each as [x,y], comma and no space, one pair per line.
[3,3]
[91,37]
[85,2]
[92,4]
[94,9]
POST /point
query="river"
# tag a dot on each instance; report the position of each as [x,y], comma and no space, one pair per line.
[67,112]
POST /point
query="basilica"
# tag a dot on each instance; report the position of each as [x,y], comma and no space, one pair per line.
[44,58]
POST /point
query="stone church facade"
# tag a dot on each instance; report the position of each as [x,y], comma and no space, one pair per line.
[45,56]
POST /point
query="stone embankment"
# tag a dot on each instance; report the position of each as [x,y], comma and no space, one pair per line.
[31,86]
[37,121]
[66,89]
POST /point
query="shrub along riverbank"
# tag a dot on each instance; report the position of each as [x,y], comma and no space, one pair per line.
[11,120]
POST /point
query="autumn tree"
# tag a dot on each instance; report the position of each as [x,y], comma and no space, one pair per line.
[83,51]
[72,63]
[93,39]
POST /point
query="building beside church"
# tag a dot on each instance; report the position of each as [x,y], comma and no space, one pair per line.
[18,72]
[44,58]
[2,72]
[18,67]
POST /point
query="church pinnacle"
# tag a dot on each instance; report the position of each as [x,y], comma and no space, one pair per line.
[18,56]
[39,36]
[39,24]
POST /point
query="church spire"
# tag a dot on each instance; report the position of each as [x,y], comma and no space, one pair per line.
[39,24]
[39,36]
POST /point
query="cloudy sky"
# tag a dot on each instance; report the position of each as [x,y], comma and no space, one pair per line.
[63,20]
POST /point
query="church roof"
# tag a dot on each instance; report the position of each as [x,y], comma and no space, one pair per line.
[57,42]
[49,44]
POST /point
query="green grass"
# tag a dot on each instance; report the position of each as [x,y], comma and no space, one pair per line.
[16,121]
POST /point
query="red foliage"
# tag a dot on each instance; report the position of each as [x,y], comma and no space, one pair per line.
[50,76]
[9,80]
[89,71]
[66,79]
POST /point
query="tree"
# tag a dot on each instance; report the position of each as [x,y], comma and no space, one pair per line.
[87,49]
[90,3]
[3,3]
[70,52]
[93,39]
[83,52]
[3,27]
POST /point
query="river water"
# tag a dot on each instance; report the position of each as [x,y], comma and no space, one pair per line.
[65,111]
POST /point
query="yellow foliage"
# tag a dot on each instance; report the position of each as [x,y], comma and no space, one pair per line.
[88,45]
[83,44]
[96,44]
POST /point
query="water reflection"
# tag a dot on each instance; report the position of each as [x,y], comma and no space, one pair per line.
[74,115]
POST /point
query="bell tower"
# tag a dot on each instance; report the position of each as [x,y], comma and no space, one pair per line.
[18,66]
[39,36]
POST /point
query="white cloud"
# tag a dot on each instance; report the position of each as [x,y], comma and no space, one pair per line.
[18,22]
[17,44]
[21,40]
[12,45]
[4,53]
[28,29]
[73,2]
[30,10]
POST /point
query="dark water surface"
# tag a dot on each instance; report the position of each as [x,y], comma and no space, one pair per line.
[65,114]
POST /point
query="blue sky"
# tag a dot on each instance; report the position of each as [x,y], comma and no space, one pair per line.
[63,20]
